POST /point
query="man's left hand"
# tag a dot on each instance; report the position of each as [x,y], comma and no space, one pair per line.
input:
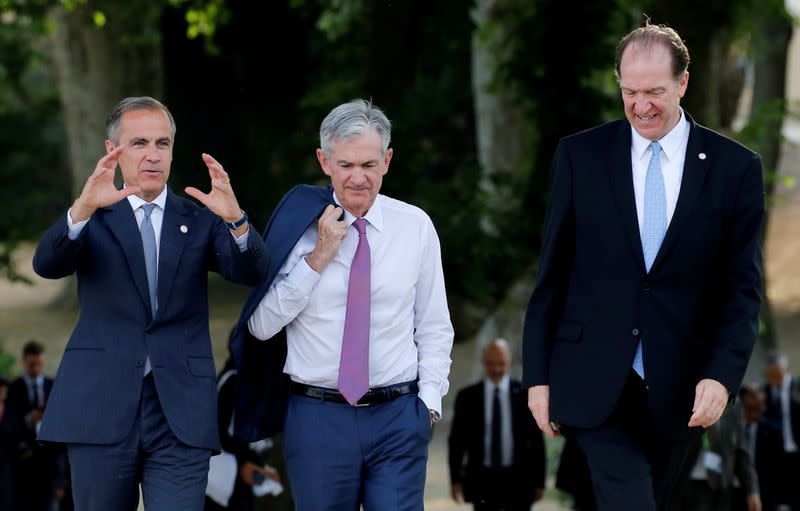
[710,398]
[221,199]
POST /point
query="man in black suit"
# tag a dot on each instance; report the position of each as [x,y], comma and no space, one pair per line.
[37,474]
[497,458]
[782,419]
[645,309]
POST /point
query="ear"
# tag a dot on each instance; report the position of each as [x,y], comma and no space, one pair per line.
[324,162]
[683,83]
[109,146]
[387,159]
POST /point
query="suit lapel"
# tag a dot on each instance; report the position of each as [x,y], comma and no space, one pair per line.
[173,239]
[120,220]
[621,173]
[694,174]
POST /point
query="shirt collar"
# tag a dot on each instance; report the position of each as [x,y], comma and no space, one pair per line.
[29,381]
[503,384]
[160,201]
[374,216]
[670,143]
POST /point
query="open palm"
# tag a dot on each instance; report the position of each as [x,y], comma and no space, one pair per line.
[221,199]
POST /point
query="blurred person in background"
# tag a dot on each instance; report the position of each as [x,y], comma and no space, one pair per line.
[496,452]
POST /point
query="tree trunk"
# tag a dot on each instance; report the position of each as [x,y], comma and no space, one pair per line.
[769,107]
[501,131]
[95,67]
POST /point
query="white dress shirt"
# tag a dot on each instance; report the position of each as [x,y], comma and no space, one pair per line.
[410,330]
[789,443]
[506,426]
[672,157]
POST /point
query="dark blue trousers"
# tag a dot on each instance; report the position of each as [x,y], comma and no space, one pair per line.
[173,475]
[633,467]
[340,457]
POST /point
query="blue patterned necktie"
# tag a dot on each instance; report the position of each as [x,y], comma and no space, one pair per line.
[654,226]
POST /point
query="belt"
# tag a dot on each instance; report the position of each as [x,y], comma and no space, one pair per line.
[372,397]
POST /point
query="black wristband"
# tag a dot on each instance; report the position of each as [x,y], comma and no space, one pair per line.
[235,225]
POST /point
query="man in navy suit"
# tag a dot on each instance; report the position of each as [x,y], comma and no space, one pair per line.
[38,473]
[135,394]
[645,309]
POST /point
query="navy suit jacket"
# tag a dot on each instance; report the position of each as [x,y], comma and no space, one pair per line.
[696,311]
[97,388]
[262,387]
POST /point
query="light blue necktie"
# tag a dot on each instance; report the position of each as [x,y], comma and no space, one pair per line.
[150,263]
[150,255]
[654,226]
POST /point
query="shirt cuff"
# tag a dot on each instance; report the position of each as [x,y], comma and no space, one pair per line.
[303,278]
[241,241]
[74,228]
[431,397]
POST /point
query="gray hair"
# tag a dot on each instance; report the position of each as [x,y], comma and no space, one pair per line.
[351,120]
[777,358]
[134,103]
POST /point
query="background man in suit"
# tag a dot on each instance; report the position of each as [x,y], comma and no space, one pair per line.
[645,309]
[720,465]
[782,419]
[497,458]
[368,331]
[37,474]
[135,394]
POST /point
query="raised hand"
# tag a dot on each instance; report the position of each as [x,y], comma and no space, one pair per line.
[221,199]
[99,190]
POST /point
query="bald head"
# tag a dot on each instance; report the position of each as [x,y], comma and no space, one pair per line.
[496,359]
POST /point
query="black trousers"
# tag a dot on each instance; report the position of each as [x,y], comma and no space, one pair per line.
[631,466]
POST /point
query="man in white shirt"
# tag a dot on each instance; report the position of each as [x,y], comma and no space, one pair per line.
[362,299]
[782,416]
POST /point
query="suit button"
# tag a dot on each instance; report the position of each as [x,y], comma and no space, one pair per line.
[635,331]
[139,364]
[646,286]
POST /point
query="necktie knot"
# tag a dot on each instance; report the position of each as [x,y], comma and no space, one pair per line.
[148,210]
[361,226]
[655,147]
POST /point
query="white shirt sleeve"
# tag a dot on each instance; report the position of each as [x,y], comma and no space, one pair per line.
[241,242]
[433,329]
[75,229]
[287,296]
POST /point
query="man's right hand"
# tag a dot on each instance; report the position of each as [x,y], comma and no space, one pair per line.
[99,190]
[330,233]
[457,491]
[539,404]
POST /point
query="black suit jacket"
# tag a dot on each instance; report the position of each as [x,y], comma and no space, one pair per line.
[696,311]
[466,445]
[773,414]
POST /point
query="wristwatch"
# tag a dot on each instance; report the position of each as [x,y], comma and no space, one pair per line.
[435,416]
[235,225]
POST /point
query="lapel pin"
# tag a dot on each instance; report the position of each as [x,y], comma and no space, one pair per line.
[702,156]
[185,229]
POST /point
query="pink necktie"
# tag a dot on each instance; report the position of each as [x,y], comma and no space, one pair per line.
[354,364]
